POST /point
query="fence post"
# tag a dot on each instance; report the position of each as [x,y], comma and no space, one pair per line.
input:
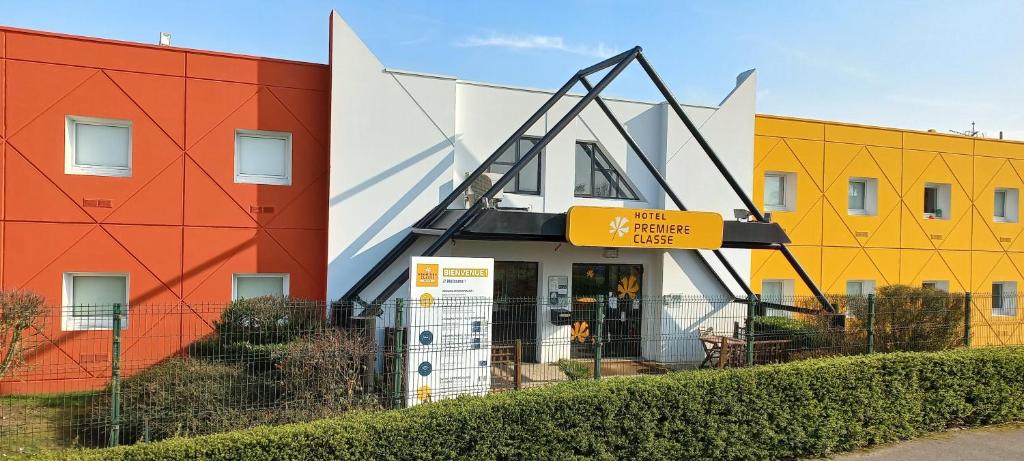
[967,319]
[399,373]
[115,377]
[598,336]
[518,379]
[752,302]
[871,323]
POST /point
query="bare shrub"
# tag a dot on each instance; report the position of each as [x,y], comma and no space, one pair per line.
[21,315]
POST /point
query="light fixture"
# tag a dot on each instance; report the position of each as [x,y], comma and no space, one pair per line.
[741,214]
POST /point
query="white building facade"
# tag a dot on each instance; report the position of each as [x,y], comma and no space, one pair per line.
[402,141]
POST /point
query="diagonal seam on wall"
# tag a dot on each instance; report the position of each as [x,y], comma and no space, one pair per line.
[47,108]
[143,110]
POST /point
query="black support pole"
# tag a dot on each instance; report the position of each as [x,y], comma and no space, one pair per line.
[678,109]
[514,170]
[668,190]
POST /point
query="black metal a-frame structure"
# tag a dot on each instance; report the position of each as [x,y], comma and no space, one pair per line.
[617,63]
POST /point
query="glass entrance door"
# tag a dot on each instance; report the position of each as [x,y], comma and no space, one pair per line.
[619,286]
[515,306]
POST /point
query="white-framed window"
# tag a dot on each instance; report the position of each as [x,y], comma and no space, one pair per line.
[860,287]
[97,146]
[862,197]
[1004,299]
[777,291]
[259,284]
[941,285]
[263,157]
[1004,205]
[779,191]
[88,300]
[937,201]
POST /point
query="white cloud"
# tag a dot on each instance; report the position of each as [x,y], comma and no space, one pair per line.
[537,42]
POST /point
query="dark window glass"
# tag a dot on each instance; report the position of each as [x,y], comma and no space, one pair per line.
[931,200]
[528,179]
[597,177]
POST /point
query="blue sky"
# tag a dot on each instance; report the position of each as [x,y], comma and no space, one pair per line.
[913,64]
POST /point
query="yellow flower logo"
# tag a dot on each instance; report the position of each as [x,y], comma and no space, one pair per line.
[618,227]
[628,287]
[423,393]
[426,300]
[580,331]
[590,273]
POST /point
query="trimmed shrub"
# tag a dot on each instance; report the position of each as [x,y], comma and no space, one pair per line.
[268,320]
[575,370]
[802,409]
[322,375]
[178,397]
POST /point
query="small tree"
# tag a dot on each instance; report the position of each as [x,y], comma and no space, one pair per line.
[21,315]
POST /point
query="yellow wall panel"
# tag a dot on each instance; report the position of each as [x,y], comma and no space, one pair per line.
[770,264]
[839,265]
[868,136]
[991,174]
[803,159]
[938,142]
[920,169]
[788,128]
[953,267]
[1003,149]
[844,162]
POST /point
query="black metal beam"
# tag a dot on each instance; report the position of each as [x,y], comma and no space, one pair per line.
[668,190]
[724,171]
[514,170]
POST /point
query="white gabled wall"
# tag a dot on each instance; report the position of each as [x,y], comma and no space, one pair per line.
[400,141]
[392,153]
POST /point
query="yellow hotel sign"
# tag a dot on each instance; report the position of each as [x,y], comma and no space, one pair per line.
[641,228]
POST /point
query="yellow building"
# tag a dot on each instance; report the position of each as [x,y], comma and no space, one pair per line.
[871,206]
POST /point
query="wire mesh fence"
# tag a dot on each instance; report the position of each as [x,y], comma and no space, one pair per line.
[91,377]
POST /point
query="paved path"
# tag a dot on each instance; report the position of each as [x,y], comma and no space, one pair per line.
[1004,443]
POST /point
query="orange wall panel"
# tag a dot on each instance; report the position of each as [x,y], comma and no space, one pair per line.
[93,53]
[263,71]
[179,225]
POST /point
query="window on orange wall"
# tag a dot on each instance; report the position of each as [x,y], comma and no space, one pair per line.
[247,286]
[97,146]
[89,299]
[263,157]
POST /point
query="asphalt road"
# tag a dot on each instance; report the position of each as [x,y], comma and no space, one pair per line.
[1003,443]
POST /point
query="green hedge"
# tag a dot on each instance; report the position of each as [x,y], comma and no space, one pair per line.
[800,409]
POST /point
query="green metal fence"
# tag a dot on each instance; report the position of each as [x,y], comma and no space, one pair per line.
[126,374]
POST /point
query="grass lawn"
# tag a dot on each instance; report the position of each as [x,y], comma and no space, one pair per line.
[33,423]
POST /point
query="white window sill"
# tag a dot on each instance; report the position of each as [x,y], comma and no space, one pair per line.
[1004,314]
[932,217]
[263,180]
[1003,221]
[859,213]
[83,170]
[777,208]
[91,323]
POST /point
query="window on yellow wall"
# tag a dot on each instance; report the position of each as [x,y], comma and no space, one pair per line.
[1004,205]
[937,201]
[862,197]
[940,285]
[778,291]
[1004,298]
[779,191]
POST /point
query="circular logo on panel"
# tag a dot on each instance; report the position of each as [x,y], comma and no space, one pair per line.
[426,300]
[425,368]
[426,337]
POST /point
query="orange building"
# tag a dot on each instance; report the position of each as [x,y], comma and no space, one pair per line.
[121,168]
